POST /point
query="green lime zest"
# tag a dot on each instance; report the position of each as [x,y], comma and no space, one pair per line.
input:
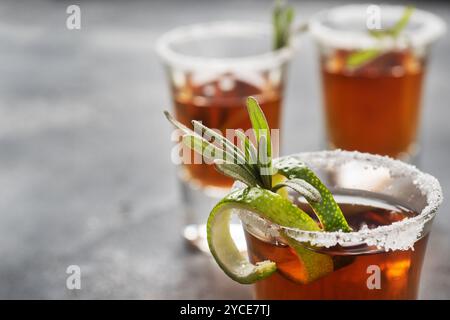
[274,208]
[327,210]
[362,57]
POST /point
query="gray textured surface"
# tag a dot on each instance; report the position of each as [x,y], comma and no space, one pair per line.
[85,172]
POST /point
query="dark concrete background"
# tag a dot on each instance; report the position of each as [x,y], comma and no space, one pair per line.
[85,170]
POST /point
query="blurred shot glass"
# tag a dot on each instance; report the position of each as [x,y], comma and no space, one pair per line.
[372,85]
[212,68]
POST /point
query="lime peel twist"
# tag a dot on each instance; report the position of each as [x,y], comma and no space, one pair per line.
[327,210]
[274,208]
[265,196]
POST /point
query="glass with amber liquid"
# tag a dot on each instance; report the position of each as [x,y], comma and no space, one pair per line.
[212,69]
[390,207]
[375,105]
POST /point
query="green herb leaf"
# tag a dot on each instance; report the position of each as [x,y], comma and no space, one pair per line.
[238,156]
[178,124]
[397,28]
[199,144]
[302,187]
[282,17]
[214,154]
[403,22]
[362,57]
[264,145]
[203,147]
[251,154]
[221,149]
[236,172]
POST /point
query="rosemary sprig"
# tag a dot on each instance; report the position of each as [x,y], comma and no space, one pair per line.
[282,19]
[235,171]
[207,133]
[362,57]
[251,154]
[220,149]
[252,164]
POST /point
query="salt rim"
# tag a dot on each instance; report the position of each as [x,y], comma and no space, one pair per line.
[431,28]
[270,59]
[399,235]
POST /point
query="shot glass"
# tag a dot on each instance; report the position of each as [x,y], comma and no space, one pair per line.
[212,68]
[372,86]
[389,204]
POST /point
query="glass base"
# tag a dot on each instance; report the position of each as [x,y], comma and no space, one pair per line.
[195,235]
[197,202]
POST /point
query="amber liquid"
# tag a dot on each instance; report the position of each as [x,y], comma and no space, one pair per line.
[220,104]
[374,108]
[399,270]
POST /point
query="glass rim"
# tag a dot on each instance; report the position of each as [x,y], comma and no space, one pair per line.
[264,60]
[385,237]
[432,28]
